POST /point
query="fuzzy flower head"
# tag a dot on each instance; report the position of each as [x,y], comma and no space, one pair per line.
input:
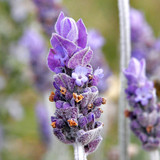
[76,96]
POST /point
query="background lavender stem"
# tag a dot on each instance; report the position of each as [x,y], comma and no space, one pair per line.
[79,152]
[154,155]
[125,51]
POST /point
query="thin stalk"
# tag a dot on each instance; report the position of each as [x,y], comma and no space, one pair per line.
[154,155]
[79,152]
[125,51]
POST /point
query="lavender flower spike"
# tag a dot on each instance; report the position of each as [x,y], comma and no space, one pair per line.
[76,98]
[145,113]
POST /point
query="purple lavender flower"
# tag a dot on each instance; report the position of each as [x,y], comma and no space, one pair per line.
[42,120]
[76,98]
[145,113]
[96,42]
[80,75]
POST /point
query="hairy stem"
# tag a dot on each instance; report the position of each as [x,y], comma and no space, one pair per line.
[79,152]
[154,155]
[125,51]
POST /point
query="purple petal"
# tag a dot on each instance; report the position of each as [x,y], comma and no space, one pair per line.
[80,58]
[82,37]
[62,46]
[89,136]
[72,34]
[82,121]
[52,61]
[57,25]
[92,146]
[87,58]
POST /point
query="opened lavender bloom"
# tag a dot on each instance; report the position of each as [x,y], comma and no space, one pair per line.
[102,71]
[76,97]
[145,113]
[144,44]
[48,12]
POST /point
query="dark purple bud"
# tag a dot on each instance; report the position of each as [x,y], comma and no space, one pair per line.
[97,112]
[82,121]
[66,105]
[59,123]
[53,119]
[90,117]
[135,125]
[59,104]
[98,101]
[143,137]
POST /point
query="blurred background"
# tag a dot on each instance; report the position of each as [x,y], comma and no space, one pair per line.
[25,81]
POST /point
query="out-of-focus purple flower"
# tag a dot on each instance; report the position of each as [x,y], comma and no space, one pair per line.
[95,39]
[20,9]
[80,75]
[96,42]
[43,125]
[145,113]
[99,73]
[76,98]
[47,12]
[34,43]
[144,44]
[140,30]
